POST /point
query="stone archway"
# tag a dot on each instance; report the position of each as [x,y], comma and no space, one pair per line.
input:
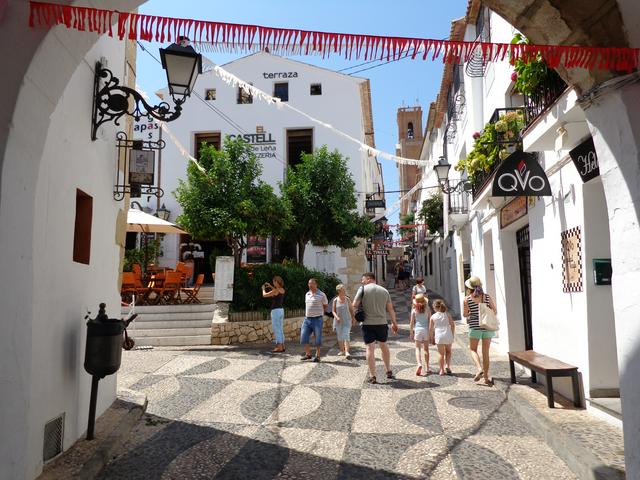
[611,102]
[42,66]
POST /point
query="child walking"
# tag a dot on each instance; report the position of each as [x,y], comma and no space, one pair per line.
[342,319]
[442,328]
[419,332]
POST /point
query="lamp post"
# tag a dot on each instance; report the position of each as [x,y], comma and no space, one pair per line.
[112,100]
[442,171]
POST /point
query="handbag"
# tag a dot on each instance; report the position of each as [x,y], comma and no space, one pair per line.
[359,313]
[488,319]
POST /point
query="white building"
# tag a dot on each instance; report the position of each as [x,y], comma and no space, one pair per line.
[278,136]
[56,189]
[535,254]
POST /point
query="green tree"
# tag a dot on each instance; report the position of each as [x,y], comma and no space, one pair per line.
[227,200]
[431,213]
[408,219]
[321,195]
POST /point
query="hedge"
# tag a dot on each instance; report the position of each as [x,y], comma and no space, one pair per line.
[247,293]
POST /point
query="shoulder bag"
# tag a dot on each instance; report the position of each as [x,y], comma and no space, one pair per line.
[359,313]
[488,319]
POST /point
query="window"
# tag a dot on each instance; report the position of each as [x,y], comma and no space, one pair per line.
[299,141]
[244,96]
[315,89]
[208,138]
[281,91]
[82,230]
[210,94]
[410,130]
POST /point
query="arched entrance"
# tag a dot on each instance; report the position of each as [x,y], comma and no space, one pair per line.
[611,103]
[46,157]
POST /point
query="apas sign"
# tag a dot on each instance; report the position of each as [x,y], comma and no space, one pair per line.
[520,175]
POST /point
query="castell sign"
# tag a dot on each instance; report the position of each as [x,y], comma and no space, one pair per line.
[519,175]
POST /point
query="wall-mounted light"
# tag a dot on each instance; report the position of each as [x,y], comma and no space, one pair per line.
[111,101]
[163,213]
[442,171]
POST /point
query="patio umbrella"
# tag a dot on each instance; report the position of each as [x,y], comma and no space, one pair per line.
[139,221]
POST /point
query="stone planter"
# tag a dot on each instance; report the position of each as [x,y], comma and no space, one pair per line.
[259,331]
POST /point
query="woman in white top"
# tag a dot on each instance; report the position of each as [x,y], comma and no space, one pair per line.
[442,328]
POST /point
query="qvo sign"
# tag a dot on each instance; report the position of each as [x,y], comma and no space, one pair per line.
[585,159]
[519,175]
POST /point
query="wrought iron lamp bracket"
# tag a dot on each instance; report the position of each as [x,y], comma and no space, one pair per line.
[460,187]
[112,101]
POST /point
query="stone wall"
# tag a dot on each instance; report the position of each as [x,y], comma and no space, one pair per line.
[261,331]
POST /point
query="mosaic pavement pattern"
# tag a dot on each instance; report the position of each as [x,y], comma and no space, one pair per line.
[234,413]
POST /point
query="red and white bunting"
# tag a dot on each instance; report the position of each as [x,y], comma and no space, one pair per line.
[233,37]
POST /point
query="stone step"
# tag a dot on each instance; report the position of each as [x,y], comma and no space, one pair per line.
[171,324]
[171,332]
[170,309]
[174,341]
[173,316]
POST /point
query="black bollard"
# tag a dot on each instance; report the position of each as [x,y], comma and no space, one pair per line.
[92,406]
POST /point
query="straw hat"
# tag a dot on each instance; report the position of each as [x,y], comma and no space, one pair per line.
[420,298]
[473,282]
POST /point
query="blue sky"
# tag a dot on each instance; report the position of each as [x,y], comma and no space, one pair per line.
[406,82]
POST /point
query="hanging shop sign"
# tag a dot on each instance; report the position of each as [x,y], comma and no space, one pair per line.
[585,159]
[519,175]
[141,167]
[375,204]
[512,211]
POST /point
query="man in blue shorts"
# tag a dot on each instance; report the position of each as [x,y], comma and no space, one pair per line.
[315,304]
[376,303]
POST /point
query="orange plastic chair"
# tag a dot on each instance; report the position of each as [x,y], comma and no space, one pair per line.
[192,293]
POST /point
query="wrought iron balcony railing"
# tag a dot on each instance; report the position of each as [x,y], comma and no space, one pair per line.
[538,103]
[458,203]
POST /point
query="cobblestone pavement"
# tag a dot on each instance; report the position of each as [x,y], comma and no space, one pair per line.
[225,412]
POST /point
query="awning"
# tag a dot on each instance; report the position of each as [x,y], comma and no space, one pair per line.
[139,221]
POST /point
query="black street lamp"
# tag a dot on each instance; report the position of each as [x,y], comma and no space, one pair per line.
[162,213]
[111,101]
[442,171]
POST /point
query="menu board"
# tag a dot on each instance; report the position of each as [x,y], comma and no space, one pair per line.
[223,291]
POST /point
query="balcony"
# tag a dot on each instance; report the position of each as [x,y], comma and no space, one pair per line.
[458,208]
[537,104]
[508,136]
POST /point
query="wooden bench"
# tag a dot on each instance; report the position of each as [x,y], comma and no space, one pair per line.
[549,367]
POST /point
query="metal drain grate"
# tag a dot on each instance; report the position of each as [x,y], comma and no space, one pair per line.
[53,437]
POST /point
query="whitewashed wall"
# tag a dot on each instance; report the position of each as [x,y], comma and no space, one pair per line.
[48,155]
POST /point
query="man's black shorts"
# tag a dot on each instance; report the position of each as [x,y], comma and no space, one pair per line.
[375,333]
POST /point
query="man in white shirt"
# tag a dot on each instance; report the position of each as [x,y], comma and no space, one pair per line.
[315,304]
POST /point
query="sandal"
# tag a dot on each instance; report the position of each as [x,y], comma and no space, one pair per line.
[372,380]
[305,357]
[448,371]
[390,375]
[478,376]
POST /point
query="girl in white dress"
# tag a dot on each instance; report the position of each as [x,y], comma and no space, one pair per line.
[443,328]
[419,332]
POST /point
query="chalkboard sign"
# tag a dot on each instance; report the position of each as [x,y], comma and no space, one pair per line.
[585,159]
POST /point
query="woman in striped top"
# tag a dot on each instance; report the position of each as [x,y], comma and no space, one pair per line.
[476,296]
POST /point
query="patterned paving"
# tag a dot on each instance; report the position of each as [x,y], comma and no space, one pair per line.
[225,412]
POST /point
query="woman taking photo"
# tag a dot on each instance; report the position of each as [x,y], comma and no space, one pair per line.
[276,293]
[477,334]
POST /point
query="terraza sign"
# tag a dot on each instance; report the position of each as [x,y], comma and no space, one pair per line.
[278,75]
[520,175]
